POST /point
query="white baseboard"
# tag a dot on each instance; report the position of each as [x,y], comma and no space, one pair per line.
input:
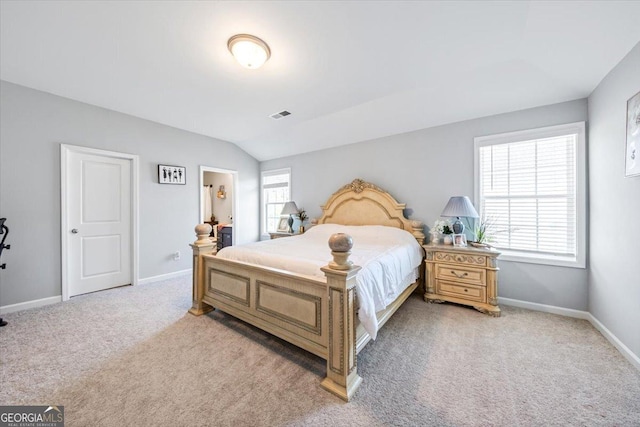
[29,304]
[52,300]
[164,276]
[626,352]
[545,308]
[619,345]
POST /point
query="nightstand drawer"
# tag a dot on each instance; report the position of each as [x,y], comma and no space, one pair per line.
[472,293]
[471,259]
[473,276]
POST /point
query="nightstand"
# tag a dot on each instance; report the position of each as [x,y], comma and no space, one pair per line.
[279,234]
[225,237]
[464,275]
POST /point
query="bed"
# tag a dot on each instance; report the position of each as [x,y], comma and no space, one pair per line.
[310,300]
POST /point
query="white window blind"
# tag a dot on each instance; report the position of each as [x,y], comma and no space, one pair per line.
[276,191]
[529,185]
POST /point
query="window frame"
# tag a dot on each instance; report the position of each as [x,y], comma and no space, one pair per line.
[576,128]
[263,211]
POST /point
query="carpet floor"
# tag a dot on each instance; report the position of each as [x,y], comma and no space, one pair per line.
[132,356]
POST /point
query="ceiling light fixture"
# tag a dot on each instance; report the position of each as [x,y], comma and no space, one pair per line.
[249,51]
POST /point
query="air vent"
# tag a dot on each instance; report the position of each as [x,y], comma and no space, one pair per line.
[280,115]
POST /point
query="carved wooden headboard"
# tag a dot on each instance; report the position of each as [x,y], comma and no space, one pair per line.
[362,203]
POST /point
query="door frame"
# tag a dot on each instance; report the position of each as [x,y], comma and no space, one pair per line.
[234,202]
[65,151]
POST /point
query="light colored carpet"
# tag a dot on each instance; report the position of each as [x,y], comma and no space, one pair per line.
[134,357]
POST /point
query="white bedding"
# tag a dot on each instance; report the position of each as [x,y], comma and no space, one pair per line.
[389,258]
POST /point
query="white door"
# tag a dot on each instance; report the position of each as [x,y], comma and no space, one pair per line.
[98,194]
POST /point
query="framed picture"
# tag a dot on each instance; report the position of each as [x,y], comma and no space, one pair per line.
[632,153]
[459,240]
[283,225]
[172,175]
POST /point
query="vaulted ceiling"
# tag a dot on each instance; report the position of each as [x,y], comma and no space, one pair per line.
[348,71]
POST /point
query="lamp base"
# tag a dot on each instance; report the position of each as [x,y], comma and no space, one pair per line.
[290,222]
[458,226]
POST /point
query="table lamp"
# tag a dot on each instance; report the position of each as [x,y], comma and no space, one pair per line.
[290,208]
[457,207]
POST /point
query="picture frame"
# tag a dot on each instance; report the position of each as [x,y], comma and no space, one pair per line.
[460,240]
[168,174]
[283,225]
[632,147]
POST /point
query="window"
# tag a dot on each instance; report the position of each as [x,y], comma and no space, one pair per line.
[531,186]
[276,191]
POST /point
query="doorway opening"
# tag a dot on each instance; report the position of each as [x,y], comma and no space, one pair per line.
[218,203]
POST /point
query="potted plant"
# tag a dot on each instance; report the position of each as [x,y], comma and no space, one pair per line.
[485,232]
[302,214]
[442,227]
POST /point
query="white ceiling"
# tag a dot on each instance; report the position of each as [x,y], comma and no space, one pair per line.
[349,71]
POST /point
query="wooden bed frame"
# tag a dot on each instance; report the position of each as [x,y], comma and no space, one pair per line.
[308,312]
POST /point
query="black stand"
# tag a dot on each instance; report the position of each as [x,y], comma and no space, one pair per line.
[3,230]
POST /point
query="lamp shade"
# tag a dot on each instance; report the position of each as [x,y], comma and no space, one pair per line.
[460,206]
[289,208]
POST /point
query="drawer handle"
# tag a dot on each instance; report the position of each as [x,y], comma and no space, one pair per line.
[459,276]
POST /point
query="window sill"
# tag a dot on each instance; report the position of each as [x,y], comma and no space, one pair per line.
[558,261]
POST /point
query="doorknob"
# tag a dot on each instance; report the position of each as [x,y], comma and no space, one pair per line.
[74,231]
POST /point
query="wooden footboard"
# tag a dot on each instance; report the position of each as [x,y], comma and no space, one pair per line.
[281,303]
[316,315]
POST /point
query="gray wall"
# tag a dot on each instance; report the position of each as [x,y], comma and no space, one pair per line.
[33,124]
[423,169]
[614,276]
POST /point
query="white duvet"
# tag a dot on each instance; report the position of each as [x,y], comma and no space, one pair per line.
[389,258]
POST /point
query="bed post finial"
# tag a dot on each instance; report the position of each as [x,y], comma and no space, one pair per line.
[418,231]
[200,247]
[340,244]
[203,231]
